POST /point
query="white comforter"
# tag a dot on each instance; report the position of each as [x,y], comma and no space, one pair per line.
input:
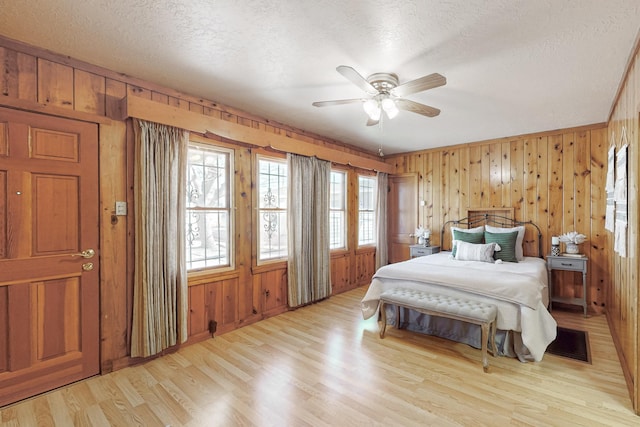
[519,290]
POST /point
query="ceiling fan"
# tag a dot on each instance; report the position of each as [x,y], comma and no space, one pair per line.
[386,94]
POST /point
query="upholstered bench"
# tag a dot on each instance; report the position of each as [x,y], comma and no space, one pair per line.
[464,309]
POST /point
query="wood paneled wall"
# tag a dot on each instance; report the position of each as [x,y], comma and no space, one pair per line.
[38,80]
[623,304]
[555,179]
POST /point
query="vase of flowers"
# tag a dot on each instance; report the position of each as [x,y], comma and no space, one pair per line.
[423,235]
[418,233]
[572,240]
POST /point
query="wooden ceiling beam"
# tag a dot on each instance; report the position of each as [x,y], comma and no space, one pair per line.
[133,106]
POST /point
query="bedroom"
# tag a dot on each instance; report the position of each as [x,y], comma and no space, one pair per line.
[35,76]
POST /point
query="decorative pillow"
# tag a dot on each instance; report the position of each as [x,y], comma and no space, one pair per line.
[463,236]
[463,230]
[519,240]
[507,242]
[475,252]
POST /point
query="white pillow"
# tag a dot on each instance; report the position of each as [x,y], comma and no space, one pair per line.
[519,238]
[475,252]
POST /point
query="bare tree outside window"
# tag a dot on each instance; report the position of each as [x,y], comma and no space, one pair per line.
[366,210]
[208,216]
[338,210]
[272,211]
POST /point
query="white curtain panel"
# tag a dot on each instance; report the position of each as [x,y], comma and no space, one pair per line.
[620,194]
[309,263]
[381,220]
[160,282]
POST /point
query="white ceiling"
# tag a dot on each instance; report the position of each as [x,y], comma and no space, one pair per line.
[512,66]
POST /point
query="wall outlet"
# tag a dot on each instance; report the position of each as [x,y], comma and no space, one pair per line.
[121,208]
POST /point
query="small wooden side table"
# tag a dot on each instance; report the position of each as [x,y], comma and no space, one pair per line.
[567,263]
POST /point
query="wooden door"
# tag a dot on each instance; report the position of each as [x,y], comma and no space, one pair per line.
[403,215]
[49,310]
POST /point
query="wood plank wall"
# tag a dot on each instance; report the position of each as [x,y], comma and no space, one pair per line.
[38,80]
[554,179]
[623,305]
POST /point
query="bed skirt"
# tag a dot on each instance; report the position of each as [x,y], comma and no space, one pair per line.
[509,343]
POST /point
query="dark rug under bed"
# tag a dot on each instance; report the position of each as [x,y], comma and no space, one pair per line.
[571,343]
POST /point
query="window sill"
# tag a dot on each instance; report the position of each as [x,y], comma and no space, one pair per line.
[339,253]
[205,276]
[366,249]
[271,266]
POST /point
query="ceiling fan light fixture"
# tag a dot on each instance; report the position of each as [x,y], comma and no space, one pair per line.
[389,106]
[372,108]
[386,94]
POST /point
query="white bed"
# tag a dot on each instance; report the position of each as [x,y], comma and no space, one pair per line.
[519,291]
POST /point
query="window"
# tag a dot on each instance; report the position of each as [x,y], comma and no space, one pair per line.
[272,209]
[208,217]
[338,210]
[366,210]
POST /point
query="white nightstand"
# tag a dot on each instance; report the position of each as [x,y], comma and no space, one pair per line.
[566,263]
[420,250]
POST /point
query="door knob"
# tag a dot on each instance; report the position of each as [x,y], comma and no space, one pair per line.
[87,266]
[87,253]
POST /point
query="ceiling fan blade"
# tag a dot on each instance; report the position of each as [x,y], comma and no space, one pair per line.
[416,107]
[418,85]
[337,102]
[354,77]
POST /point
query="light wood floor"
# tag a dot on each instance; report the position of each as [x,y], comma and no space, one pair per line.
[324,365]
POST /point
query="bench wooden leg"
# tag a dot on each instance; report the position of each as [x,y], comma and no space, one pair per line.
[492,329]
[485,339]
[383,319]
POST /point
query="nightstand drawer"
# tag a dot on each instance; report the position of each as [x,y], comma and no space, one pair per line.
[569,264]
[418,250]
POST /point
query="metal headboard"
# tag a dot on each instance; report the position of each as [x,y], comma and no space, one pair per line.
[490,219]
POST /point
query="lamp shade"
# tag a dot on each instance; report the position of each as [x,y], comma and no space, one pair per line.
[389,107]
[372,108]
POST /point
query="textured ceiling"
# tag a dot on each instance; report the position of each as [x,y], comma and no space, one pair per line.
[512,67]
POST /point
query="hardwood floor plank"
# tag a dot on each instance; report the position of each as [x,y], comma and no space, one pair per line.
[43,412]
[95,416]
[161,410]
[59,411]
[81,419]
[78,396]
[323,365]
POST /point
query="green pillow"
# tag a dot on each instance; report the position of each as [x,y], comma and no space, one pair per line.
[507,242]
[466,237]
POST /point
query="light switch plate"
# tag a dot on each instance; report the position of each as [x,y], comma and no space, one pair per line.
[121,208]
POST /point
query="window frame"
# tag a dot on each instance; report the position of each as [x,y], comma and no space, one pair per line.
[373,241]
[275,159]
[201,144]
